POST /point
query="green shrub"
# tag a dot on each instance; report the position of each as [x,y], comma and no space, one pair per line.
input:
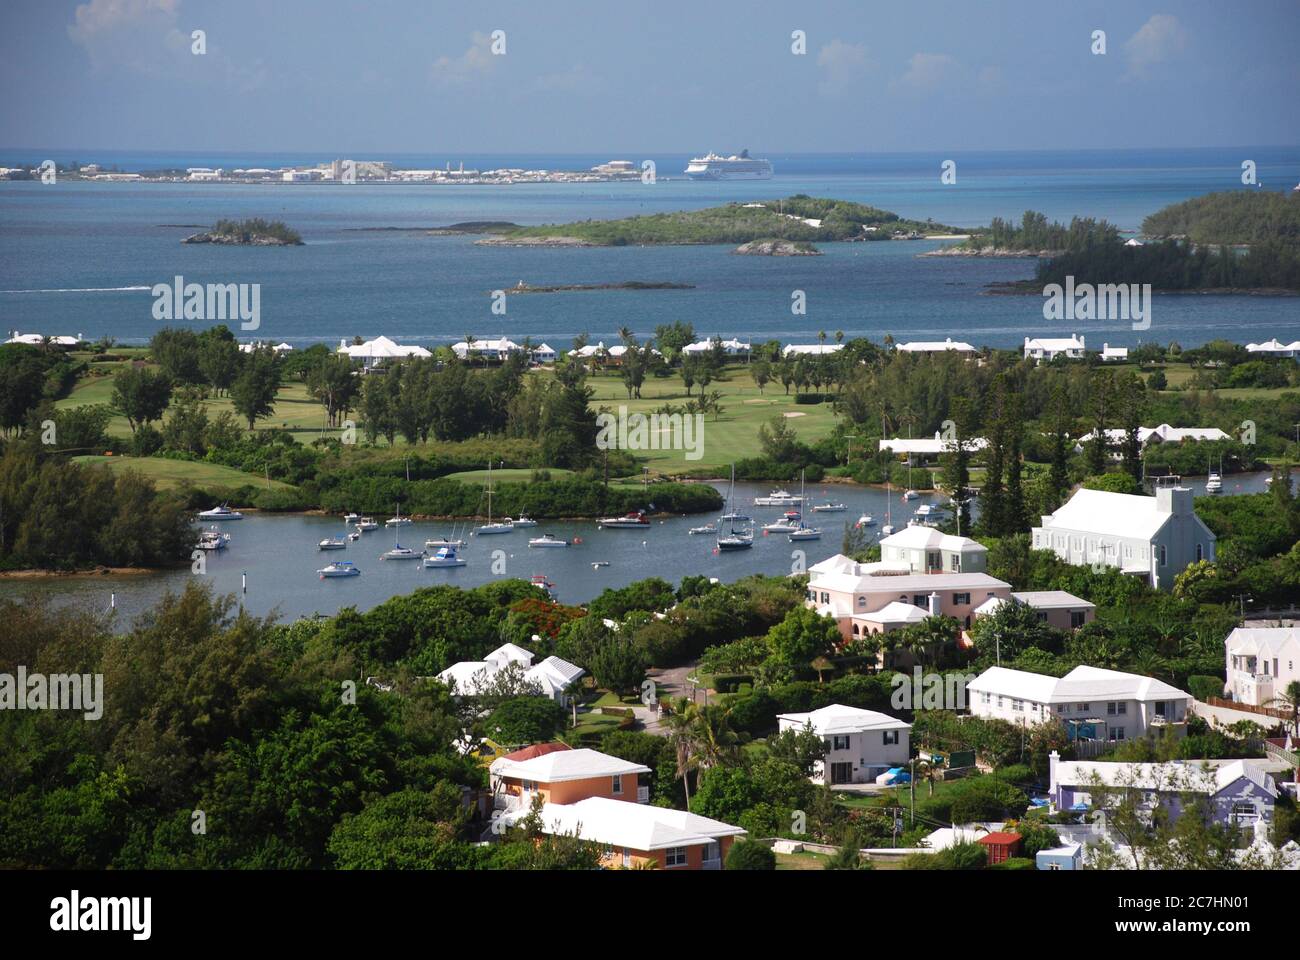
[1203,687]
[750,855]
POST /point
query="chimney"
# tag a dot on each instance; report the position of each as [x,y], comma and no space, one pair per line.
[1174,499]
[934,604]
[1052,759]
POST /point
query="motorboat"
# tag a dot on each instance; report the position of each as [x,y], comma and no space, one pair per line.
[783,525]
[866,520]
[445,557]
[213,540]
[546,540]
[829,508]
[597,564]
[709,528]
[332,543]
[340,568]
[367,523]
[911,495]
[437,543]
[636,518]
[351,517]
[522,521]
[930,513]
[778,498]
[539,581]
[1214,483]
[735,517]
[398,520]
[222,512]
[354,536]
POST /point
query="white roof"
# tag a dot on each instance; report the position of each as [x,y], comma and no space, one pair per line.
[565,765]
[554,675]
[486,345]
[1052,600]
[930,445]
[1110,514]
[1082,684]
[1273,346]
[912,583]
[510,653]
[896,611]
[1072,342]
[468,675]
[837,718]
[990,606]
[703,346]
[1253,641]
[636,826]
[934,346]
[382,347]
[839,563]
[544,348]
[1108,351]
[814,349]
[36,339]
[1193,776]
[921,537]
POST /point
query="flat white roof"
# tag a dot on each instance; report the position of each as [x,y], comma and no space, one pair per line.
[1052,600]
[919,536]
[565,765]
[1082,684]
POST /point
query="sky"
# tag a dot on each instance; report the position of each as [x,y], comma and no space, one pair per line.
[572,76]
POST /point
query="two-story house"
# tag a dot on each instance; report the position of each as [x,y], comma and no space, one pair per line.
[1092,703]
[1057,608]
[1154,538]
[566,776]
[924,549]
[1261,661]
[860,744]
[876,598]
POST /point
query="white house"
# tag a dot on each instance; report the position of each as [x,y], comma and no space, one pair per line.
[860,744]
[36,339]
[553,675]
[811,349]
[497,349]
[925,550]
[380,348]
[1275,348]
[1094,704]
[1111,354]
[1049,348]
[929,446]
[1151,537]
[1057,608]
[1150,436]
[1261,661]
[732,348]
[935,346]
[544,354]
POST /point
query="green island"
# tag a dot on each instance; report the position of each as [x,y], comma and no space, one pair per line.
[254,232]
[796,218]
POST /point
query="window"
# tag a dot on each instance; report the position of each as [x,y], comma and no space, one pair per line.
[920,600]
[862,601]
[985,697]
[890,737]
[1110,708]
[955,560]
[1200,552]
[1083,707]
[1076,619]
[840,742]
[1164,556]
[934,560]
[1116,734]
[618,784]
[1017,705]
[960,599]
[676,857]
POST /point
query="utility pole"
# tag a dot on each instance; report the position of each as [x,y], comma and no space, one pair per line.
[911,782]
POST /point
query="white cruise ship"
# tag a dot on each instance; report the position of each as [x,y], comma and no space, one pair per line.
[713,167]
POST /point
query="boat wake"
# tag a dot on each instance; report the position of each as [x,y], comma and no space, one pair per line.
[81,290]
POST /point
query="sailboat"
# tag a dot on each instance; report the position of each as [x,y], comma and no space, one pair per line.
[801,532]
[399,520]
[491,527]
[888,529]
[909,493]
[1214,482]
[734,539]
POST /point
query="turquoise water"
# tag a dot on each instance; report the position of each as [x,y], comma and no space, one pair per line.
[79,258]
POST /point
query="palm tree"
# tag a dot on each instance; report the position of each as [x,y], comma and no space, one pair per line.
[715,742]
[681,735]
[470,340]
[1289,699]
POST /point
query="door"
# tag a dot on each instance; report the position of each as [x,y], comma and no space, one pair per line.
[841,773]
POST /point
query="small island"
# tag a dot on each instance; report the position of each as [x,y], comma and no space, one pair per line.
[799,219]
[778,248]
[522,287]
[252,233]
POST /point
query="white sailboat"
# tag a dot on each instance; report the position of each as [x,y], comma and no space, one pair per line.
[801,532]
[888,529]
[490,527]
[909,493]
[399,520]
[734,539]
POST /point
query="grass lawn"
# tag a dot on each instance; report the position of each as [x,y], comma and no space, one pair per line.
[506,475]
[734,435]
[807,860]
[173,473]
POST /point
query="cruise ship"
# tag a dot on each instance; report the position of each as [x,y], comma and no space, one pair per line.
[743,167]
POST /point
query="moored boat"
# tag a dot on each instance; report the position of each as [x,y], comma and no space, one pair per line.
[340,568]
[332,543]
[445,557]
[222,512]
[546,540]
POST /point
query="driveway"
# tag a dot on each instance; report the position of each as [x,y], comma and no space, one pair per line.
[670,684]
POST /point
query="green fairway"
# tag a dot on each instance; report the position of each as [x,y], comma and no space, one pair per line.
[173,473]
[507,475]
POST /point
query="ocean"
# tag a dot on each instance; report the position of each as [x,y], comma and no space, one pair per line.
[81,257]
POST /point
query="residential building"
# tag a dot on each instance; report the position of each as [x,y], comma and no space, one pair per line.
[565,776]
[730,348]
[868,598]
[1049,348]
[1092,703]
[1275,348]
[1069,856]
[553,676]
[860,744]
[1111,354]
[925,550]
[1261,662]
[810,349]
[935,346]
[929,447]
[1154,538]
[499,348]
[1238,791]
[544,354]
[633,835]
[1150,436]
[1062,610]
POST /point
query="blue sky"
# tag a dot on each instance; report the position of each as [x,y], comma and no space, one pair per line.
[620,77]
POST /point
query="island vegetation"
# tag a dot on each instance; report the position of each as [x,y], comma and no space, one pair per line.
[253,232]
[1238,217]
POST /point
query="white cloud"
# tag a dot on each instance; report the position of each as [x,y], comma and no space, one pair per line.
[927,72]
[842,65]
[100,17]
[475,62]
[1159,39]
